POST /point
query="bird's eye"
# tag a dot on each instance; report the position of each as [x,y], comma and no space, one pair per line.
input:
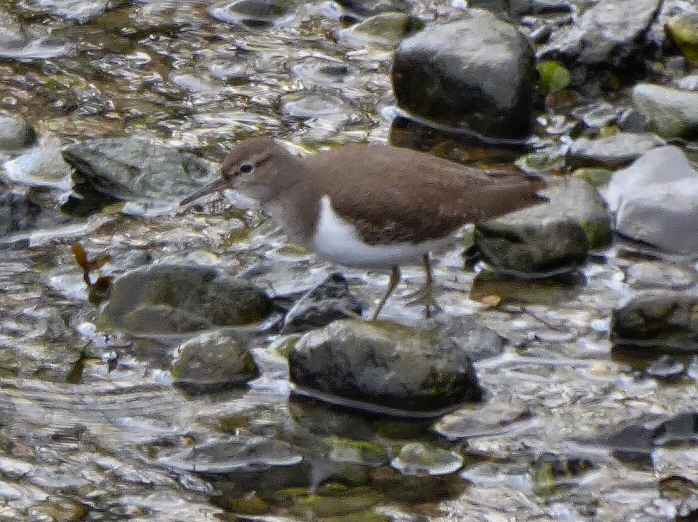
[246,168]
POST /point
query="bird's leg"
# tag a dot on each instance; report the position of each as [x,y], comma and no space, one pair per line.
[424,295]
[394,280]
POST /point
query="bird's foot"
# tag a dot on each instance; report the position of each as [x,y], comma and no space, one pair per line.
[424,296]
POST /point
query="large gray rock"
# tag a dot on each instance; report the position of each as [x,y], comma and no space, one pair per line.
[656,201]
[670,112]
[170,299]
[609,33]
[478,72]
[383,367]
[123,169]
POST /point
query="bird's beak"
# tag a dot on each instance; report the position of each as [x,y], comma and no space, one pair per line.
[215,186]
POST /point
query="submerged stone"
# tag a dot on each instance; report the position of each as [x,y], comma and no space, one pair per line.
[383,367]
[243,454]
[17,213]
[212,362]
[658,321]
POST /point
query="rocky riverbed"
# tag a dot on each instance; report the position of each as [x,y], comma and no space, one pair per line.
[174,363]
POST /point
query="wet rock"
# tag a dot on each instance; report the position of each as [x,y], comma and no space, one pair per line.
[40,167]
[253,13]
[549,237]
[670,112]
[659,321]
[79,10]
[374,7]
[638,441]
[212,362]
[491,418]
[17,213]
[327,302]
[597,115]
[666,368]
[382,29]
[687,83]
[478,72]
[655,201]
[17,41]
[383,368]
[243,454]
[655,274]
[417,458]
[615,151]
[542,249]
[123,169]
[683,30]
[323,71]
[551,471]
[478,341]
[169,299]
[16,133]
[609,33]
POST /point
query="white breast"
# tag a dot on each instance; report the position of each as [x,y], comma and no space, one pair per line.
[335,239]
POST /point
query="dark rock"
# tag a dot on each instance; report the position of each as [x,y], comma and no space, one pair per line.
[478,73]
[16,133]
[374,7]
[541,249]
[168,299]
[609,33]
[254,13]
[545,239]
[670,112]
[655,201]
[123,169]
[212,362]
[657,321]
[327,302]
[384,368]
[615,151]
[17,213]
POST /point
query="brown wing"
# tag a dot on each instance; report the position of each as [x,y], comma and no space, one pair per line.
[403,195]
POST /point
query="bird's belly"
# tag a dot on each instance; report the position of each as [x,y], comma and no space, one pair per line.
[336,240]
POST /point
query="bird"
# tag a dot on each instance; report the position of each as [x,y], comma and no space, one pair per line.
[370,206]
